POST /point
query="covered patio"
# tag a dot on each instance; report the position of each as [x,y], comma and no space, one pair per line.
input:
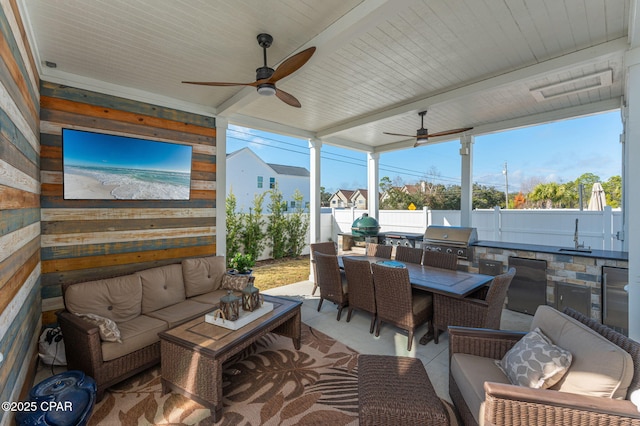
[119,68]
[491,66]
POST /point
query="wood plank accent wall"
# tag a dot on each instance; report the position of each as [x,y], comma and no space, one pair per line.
[85,240]
[20,303]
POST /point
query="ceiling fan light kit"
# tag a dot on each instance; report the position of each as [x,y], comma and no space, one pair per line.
[266,77]
[267,89]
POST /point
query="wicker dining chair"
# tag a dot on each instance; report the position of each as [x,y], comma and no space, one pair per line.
[379,250]
[327,247]
[332,286]
[472,312]
[361,290]
[440,260]
[396,303]
[409,254]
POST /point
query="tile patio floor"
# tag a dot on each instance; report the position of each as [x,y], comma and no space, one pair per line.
[392,341]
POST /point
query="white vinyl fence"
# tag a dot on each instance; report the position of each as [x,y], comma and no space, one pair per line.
[552,227]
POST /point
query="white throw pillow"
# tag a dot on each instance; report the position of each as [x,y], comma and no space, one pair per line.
[109,331]
[535,362]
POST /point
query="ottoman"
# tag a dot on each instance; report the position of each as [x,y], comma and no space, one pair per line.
[397,391]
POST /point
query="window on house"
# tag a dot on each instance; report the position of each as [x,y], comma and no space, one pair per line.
[272,183]
[259,181]
[293,204]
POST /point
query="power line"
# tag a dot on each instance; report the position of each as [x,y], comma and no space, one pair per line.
[354,161]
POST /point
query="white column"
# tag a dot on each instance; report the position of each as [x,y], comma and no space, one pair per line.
[315,146]
[221,185]
[632,142]
[373,179]
[466,193]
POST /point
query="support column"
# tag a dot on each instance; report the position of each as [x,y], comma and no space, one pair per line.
[221,185]
[632,186]
[466,190]
[373,179]
[315,146]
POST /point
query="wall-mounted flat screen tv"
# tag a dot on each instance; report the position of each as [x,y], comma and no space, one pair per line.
[99,166]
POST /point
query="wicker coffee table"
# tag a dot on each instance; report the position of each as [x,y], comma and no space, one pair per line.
[192,354]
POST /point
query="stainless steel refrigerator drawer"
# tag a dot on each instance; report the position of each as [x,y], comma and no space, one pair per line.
[615,298]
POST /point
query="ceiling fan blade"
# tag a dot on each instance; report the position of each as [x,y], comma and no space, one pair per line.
[292,64]
[449,132]
[399,134]
[215,83]
[287,98]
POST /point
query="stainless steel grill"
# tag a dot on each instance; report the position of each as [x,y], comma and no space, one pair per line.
[450,239]
[406,239]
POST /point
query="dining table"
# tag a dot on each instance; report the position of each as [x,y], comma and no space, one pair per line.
[458,284]
[436,280]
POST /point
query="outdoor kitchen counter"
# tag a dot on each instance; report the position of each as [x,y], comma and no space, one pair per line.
[569,251]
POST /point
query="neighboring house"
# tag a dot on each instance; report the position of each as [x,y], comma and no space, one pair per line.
[248,175]
[385,195]
[359,199]
[341,198]
[414,189]
[348,198]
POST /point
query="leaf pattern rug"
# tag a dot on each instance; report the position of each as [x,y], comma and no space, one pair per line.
[270,383]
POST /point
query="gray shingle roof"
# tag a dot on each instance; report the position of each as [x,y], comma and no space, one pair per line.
[289,170]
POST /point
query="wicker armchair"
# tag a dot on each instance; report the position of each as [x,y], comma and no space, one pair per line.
[440,260]
[379,250]
[471,312]
[409,254]
[361,291]
[507,404]
[332,286]
[397,304]
[327,247]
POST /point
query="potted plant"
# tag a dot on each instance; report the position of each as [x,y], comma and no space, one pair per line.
[241,263]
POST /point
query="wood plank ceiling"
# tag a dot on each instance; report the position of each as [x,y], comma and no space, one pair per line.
[470,62]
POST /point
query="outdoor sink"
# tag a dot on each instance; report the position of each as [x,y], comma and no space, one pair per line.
[574,250]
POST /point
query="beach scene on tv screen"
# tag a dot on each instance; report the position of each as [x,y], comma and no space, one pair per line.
[108,167]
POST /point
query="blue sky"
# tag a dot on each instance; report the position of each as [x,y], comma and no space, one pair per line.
[96,149]
[554,152]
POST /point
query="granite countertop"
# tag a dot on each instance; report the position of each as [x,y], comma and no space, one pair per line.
[569,251]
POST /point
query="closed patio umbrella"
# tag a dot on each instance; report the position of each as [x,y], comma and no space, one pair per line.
[598,199]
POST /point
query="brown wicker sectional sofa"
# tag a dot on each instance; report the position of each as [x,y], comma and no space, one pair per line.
[594,391]
[141,304]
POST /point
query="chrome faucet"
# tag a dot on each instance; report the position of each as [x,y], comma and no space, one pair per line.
[578,246]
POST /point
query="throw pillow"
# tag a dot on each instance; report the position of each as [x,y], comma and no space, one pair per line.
[235,282]
[535,362]
[109,331]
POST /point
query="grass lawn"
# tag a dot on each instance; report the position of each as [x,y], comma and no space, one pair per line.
[276,273]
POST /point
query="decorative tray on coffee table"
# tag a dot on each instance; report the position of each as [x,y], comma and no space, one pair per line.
[244,318]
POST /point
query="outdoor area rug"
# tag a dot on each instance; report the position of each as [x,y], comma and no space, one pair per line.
[270,383]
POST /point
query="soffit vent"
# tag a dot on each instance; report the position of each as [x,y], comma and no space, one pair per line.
[573,86]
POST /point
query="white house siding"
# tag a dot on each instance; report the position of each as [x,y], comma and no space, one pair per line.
[243,169]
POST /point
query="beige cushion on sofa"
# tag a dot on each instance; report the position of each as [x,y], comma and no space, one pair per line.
[203,274]
[136,334]
[599,367]
[213,297]
[181,312]
[470,372]
[119,298]
[161,287]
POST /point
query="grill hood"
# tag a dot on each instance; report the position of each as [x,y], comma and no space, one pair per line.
[450,235]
